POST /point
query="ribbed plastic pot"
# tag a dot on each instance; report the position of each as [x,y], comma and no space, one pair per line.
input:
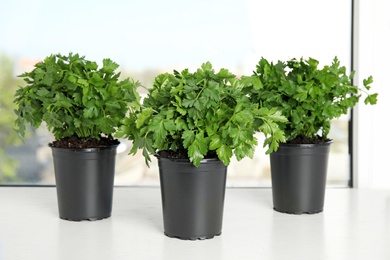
[192,198]
[298,174]
[84,182]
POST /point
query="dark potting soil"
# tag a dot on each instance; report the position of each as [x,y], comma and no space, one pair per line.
[182,154]
[307,140]
[82,143]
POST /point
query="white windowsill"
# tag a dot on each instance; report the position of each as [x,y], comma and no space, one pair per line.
[355,225]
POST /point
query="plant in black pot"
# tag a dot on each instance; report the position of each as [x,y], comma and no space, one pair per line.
[310,97]
[82,105]
[194,123]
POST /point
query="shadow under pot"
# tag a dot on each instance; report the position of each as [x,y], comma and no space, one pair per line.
[84,182]
[192,197]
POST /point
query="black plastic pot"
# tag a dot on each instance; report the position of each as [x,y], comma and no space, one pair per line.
[192,197]
[299,177]
[84,182]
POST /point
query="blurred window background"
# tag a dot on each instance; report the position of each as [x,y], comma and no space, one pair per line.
[150,37]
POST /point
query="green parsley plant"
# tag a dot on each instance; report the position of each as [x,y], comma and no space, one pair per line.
[74,97]
[310,97]
[200,113]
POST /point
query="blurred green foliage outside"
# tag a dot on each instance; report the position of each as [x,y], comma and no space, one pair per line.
[8,85]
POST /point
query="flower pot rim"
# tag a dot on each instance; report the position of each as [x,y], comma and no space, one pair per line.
[204,160]
[84,150]
[327,143]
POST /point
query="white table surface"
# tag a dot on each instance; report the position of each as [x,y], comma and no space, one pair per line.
[355,225]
